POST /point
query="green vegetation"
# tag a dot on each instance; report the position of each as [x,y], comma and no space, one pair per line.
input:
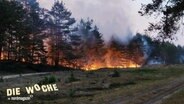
[71,92]
[48,80]
[71,78]
[1,79]
[115,73]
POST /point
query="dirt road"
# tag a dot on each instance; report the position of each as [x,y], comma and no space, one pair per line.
[154,96]
[23,75]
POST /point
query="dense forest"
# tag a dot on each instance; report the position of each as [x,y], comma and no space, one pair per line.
[36,35]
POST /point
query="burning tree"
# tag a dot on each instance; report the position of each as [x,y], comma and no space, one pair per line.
[87,45]
[136,50]
[84,48]
[93,46]
[122,56]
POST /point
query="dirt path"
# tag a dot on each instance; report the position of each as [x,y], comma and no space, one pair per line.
[154,96]
[23,75]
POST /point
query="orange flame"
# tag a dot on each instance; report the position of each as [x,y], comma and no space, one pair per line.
[111,58]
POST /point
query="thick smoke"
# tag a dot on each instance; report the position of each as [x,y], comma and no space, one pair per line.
[117,18]
[111,16]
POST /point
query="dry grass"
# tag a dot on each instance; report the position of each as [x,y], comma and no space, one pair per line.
[98,87]
[177,98]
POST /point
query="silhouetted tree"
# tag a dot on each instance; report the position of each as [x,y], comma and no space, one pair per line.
[35,28]
[11,22]
[59,21]
[170,13]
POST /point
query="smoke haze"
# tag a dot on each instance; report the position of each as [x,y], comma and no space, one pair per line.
[113,17]
[118,18]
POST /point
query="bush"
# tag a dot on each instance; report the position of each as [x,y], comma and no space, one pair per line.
[1,79]
[48,80]
[52,79]
[90,73]
[71,78]
[115,73]
[130,82]
[71,93]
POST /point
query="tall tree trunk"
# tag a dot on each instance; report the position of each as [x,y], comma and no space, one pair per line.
[8,51]
[57,52]
[0,52]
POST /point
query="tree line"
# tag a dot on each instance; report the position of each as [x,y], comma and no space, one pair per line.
[32,34]
[167,52]
[24,26]
[29,33]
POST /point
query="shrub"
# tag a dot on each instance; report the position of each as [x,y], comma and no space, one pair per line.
[48,80]
[1,79]
[71,93]
[115,73]
[52,79]
[89,73]
[71,78]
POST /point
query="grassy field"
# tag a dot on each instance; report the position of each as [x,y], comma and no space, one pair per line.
[177,98]
[102,86]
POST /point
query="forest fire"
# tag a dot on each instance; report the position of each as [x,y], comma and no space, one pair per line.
[96,66]
[35,35]
[80,54]
[111,59]
[114,55]
[53,37]
[109,63]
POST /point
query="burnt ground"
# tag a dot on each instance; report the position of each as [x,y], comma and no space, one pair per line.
[148,85]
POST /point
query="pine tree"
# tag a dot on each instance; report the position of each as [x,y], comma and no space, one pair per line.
[35,30]
[88,43]
[170,13]
[11,18]
[98,41]
[75,53]
[59,21]
[21,35]
[85,32]
[136,49]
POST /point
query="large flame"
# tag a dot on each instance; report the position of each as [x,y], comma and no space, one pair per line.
[111,58]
